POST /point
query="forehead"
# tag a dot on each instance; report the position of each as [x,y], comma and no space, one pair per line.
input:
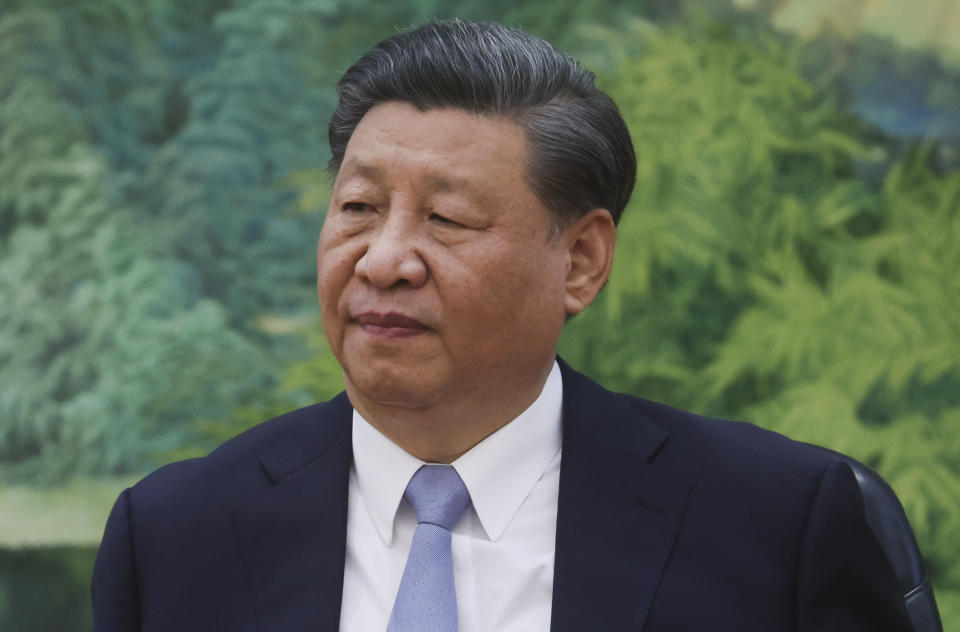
[444,149]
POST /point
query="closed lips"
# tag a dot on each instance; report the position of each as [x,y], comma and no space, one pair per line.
[389,320]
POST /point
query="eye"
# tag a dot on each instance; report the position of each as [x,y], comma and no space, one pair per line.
[440,219]
[356,207]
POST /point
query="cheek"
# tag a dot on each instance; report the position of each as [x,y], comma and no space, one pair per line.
[331,283]
[526,287]
[332,280]
[334,268]
[540,295]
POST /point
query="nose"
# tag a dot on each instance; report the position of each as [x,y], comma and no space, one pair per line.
[392,257]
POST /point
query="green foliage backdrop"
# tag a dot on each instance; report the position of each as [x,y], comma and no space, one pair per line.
[786,259]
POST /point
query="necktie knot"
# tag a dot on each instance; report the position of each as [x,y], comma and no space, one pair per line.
[438,495]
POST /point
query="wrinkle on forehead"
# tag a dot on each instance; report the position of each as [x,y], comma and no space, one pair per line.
[436,152]
[441,183]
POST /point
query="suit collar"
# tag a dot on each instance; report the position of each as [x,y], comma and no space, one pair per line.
[618,516]
[618,512]
[307,439]
[594,415]
[292,535]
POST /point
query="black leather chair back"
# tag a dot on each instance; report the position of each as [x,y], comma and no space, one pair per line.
[890,525]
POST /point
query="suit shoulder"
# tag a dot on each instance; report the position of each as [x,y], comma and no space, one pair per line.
[233,469]
[737,445]
[682,439]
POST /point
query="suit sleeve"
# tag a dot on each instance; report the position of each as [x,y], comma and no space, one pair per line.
[116,605]
[845,581]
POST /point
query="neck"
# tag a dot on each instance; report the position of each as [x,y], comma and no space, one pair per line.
[442,431]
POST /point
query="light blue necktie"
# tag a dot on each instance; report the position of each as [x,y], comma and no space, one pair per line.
[426,600]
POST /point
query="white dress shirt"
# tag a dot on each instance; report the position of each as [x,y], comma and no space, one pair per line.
[503,545]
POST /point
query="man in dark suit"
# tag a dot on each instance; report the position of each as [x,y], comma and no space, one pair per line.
[467,479]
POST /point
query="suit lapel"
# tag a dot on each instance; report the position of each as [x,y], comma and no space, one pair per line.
[618,515]
[292,536]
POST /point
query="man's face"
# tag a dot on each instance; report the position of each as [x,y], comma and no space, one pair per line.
[437,279]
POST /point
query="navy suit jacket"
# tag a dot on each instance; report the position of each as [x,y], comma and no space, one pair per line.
[666,521]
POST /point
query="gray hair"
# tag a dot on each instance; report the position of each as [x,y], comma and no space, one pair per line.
[581,155]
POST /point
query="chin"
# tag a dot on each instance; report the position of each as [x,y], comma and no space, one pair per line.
[390,389]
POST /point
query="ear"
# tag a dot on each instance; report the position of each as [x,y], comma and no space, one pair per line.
[590,243]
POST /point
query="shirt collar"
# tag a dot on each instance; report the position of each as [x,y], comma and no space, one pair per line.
[499,472]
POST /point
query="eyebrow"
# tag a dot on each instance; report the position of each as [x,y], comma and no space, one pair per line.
[439,183]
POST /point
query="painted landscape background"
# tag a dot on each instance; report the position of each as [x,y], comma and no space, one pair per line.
[791,254]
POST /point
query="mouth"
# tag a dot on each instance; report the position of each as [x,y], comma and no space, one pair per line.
[390,324]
